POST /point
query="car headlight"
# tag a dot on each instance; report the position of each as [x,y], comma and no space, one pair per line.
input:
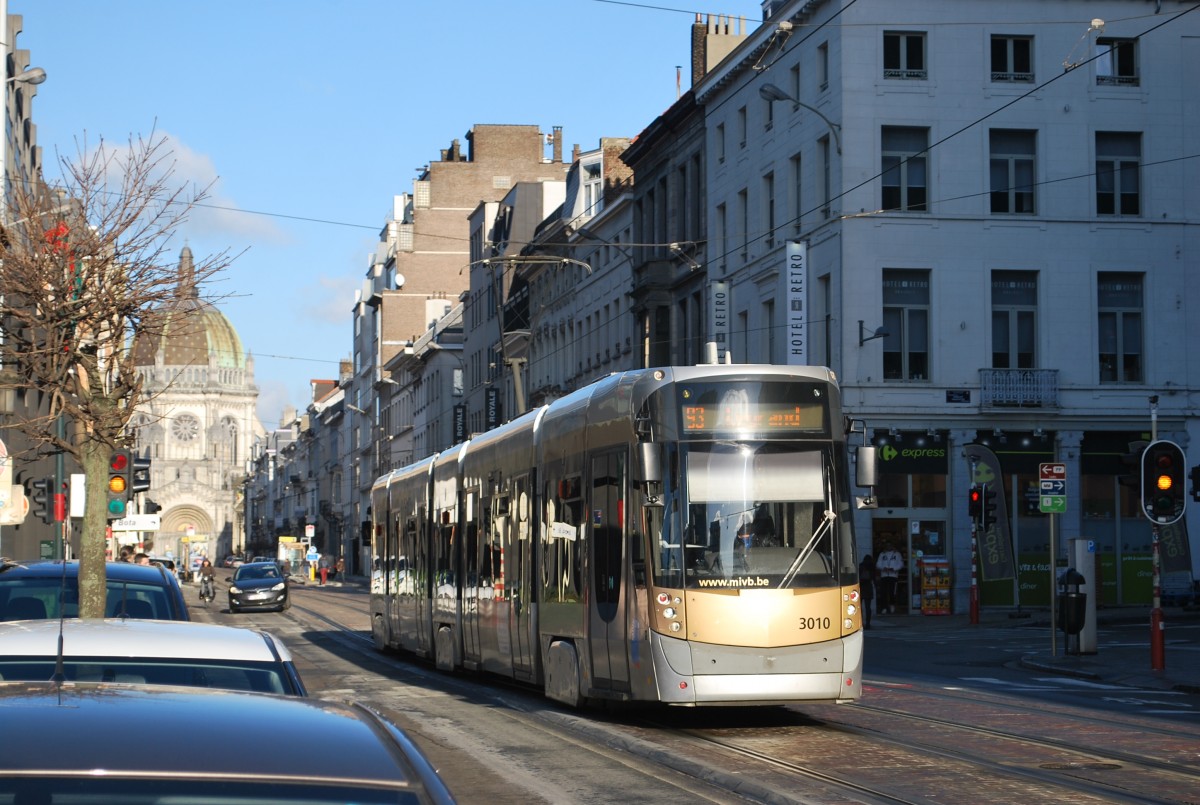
[280,586]
[233,590]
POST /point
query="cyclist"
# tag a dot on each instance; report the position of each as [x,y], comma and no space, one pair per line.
[207,573]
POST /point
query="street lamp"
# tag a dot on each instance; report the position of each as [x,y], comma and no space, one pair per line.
[879,332]
[34,75]
[770,92]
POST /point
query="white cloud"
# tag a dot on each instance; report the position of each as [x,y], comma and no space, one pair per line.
[333,298]
[218,217]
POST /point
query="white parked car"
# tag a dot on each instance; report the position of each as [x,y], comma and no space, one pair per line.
[149,652]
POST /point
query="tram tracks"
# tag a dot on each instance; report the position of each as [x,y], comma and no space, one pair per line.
[895,746]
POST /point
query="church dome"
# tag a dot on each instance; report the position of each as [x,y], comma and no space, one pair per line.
[194,333]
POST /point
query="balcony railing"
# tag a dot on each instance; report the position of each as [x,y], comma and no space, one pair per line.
[1018,388]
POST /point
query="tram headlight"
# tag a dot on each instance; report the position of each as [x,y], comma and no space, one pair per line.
[670,612]
[848,624]
[850,610]
[676,626]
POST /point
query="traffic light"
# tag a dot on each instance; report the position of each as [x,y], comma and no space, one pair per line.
[139,474]
[974,503]
[41,499]
[1195,476]
[1163,495]
[989,506]
[118,485]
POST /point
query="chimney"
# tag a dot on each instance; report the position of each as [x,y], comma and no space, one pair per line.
[558,144]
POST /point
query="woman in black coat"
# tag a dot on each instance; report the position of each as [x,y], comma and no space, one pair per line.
[866,587]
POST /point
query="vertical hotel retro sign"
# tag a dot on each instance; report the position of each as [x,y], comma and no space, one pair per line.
[796,280]
[718,317]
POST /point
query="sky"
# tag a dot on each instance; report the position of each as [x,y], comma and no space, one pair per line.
[307,117]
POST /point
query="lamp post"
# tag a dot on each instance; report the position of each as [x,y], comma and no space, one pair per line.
[770,92]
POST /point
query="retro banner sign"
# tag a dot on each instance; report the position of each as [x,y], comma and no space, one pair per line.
[995,543]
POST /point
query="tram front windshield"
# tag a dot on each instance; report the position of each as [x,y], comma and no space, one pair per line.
[744,516]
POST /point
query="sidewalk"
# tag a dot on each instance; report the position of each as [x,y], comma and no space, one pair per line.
[1119,663]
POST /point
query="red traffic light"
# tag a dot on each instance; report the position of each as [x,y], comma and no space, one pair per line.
[118,462]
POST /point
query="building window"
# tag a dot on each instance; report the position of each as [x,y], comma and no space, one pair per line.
[822,66]
[1014,319]
[1012,59]
[904,175]
[796,164]
[826,178]
[722,234]
[720,144]
[1116,62]
[768,115]
[743,213]
[1119,307]
[906,319]
[1012,168]
[904,55]
[768,186]
[1118,173]
[741,127]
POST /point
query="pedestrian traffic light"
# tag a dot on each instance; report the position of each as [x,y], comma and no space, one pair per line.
[989,506]
[1163,495]
[975,503]
[41,499]
[118,485]
[139,474]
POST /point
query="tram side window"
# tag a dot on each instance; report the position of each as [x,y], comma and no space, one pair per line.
[564,523]
[471,547]
[444,580]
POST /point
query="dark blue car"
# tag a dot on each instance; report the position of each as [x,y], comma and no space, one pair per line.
[35,590]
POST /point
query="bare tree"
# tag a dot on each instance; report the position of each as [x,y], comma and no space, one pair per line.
[85,273]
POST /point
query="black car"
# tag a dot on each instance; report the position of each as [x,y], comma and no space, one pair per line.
[90,742]
[33,590]
[258,586]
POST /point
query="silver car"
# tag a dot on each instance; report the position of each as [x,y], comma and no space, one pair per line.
[85,742]
[151,652]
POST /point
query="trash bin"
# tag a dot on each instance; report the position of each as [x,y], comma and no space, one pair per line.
[1072,604]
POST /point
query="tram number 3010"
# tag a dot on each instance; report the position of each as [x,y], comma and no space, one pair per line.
[815,623]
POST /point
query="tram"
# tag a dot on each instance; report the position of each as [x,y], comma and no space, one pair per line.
[679,535]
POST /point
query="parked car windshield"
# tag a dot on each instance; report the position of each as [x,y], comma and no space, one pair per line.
[36,598]
[247,675]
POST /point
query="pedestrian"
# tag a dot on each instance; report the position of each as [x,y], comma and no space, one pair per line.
[866,587]
[286,568]
[323,568]
[890,563]
[141,559]
[339,567]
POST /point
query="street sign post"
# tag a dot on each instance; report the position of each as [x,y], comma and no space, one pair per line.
[137,522]
[1052,488]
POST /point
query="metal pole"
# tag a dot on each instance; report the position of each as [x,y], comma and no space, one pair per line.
[974,573]
[1053,586]
[1158,658]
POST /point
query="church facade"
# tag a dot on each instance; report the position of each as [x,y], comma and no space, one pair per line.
[196,425]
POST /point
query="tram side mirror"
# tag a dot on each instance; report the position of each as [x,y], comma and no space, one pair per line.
[649,466]
[866,472]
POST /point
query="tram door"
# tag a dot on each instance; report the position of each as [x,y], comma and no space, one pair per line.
[519,578]
[607,635]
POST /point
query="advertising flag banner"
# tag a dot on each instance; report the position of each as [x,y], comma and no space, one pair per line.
[995,543]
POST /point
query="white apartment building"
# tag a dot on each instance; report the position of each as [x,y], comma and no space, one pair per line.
[982,216]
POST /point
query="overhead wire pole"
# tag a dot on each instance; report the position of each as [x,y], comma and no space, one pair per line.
[516,364]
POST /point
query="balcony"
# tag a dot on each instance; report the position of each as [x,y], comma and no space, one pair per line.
[1018,388]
